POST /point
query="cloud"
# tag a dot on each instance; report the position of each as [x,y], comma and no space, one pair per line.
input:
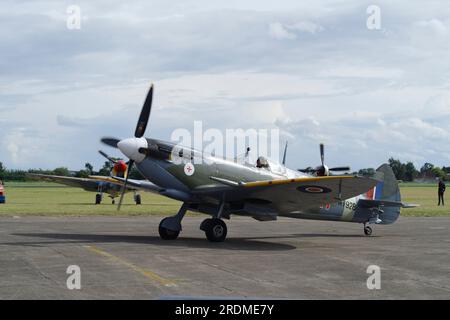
[281,31]
[313,70]
[434,25]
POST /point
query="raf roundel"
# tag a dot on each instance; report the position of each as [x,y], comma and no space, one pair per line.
[314,189]
[189,169]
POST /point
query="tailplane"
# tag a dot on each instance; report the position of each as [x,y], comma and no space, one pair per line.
[384,201]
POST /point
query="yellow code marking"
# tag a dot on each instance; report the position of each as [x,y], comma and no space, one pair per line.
[287,181]
[145,272]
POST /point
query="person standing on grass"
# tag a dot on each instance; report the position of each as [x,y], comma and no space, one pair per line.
[441,190]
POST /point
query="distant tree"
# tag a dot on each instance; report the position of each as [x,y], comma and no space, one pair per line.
[106,169]
[398,168]
[426,168]
[411,172]
[368,172]
[438,173]
[61,171]
[89,168]
[2,170]
[82,174]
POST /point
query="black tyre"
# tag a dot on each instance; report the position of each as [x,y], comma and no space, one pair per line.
[368,231]
[215,230]
[138,199]
[98,199]
[167,234]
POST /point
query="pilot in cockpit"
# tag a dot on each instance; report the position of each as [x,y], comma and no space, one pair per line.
[262,163]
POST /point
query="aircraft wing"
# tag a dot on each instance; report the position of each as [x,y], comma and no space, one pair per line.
[89,184]
[304,193]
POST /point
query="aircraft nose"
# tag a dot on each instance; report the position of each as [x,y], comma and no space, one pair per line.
[130,148]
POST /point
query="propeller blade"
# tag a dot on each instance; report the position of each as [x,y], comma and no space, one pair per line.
[145,115]
[107,157]
[112,142]
[124,186]
[322,153]
[285,153]
[340,169]
[307,170]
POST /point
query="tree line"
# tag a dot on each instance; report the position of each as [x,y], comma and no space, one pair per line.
[403,171]
[88,170]
[408,172]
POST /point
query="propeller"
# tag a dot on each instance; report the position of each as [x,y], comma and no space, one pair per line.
[323,170]
[145,115]
[139,133]
[112,142]
[285,153]
[107,157]
[124,186]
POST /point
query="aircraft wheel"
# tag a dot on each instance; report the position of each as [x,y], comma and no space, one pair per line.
[113,201]
[98,199]
[138,199]
[215,230]
[367,231]
[167,234]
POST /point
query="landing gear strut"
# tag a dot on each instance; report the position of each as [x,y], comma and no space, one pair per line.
[215,229]
[367,230]
[170,228]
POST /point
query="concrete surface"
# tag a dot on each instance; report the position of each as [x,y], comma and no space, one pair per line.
[123,258]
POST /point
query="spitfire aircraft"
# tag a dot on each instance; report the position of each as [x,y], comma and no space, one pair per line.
[264,191]
[98,184]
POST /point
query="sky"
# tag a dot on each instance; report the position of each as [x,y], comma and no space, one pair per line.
[312,69]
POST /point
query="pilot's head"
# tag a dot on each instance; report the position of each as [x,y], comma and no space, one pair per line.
[262,163]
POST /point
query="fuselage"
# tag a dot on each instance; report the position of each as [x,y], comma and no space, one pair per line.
[183,171]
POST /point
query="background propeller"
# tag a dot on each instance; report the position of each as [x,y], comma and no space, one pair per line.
[107,156]
[323,170]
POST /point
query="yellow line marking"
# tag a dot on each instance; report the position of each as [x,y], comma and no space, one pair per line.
[274,182]
[145,272]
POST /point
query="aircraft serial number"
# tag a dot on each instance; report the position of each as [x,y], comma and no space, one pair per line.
[349,205]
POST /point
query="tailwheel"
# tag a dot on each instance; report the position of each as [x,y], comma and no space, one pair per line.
[215,230]
[367,230]
[167,234]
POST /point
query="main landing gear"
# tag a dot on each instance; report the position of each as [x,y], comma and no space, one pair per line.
[215,229]
[170,228]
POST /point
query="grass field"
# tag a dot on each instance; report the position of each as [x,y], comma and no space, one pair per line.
[42,198]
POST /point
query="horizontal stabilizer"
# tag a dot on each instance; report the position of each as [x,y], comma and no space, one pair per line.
[366,203]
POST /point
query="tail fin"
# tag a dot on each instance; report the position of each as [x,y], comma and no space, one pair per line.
[387,187]
[386,196]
